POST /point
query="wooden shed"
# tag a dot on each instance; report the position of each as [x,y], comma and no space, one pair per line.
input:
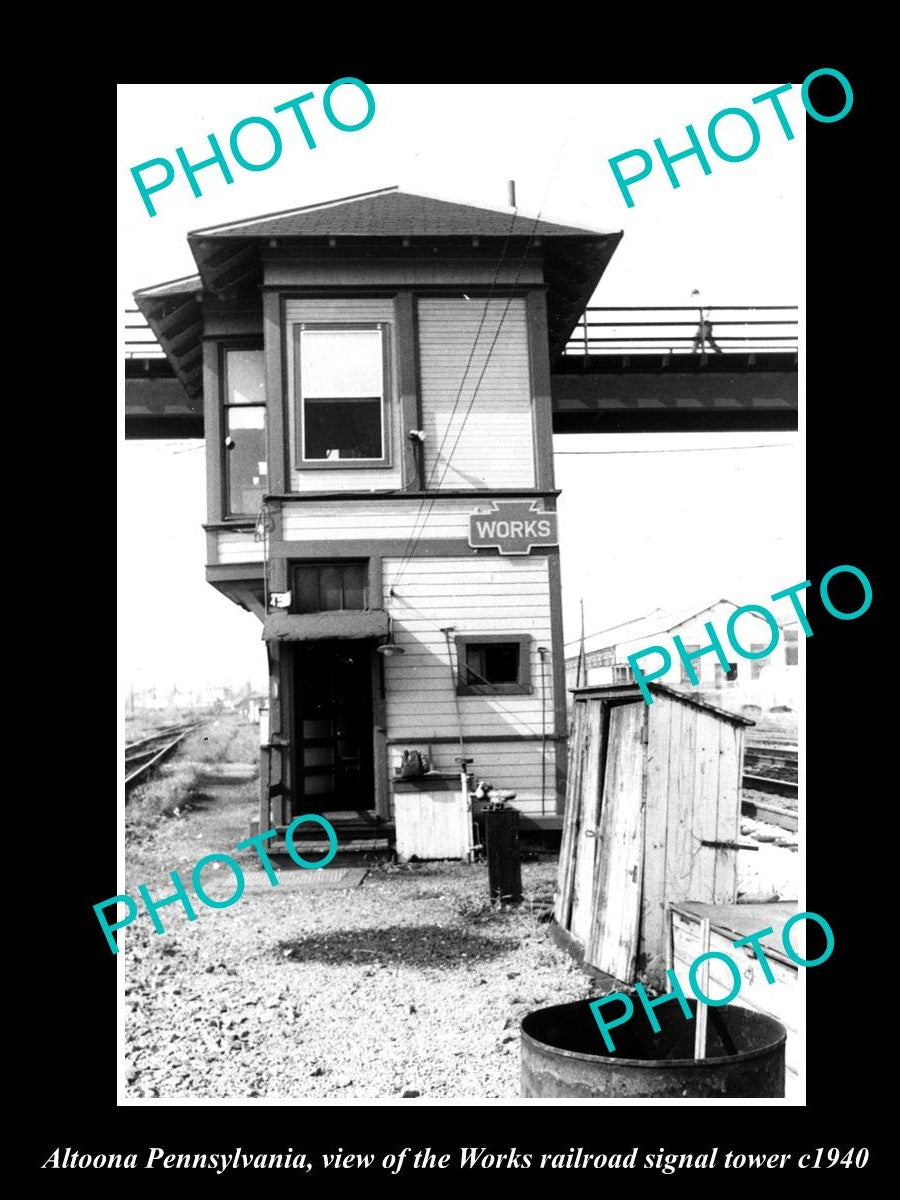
[652,818]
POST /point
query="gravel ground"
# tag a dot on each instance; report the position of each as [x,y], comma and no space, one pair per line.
[408,984]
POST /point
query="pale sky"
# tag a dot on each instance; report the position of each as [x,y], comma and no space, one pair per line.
[637,530]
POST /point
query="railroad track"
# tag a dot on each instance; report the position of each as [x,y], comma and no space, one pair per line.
[143,755]
[772,768]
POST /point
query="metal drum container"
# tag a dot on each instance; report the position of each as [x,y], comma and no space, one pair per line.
[563,1054]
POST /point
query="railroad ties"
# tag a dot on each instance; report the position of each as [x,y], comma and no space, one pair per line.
[142,756]
[772,768]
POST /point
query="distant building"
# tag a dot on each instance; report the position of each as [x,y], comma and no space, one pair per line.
[767,682]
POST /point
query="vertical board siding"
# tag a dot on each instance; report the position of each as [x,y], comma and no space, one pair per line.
[432,825]
[495,444]
[342,310]
[653,903]
[728,816]
[680,844]
[670,783]
[618,880]
[706,805]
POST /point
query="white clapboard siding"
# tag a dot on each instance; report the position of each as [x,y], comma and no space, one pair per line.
[496,438]
[371,519]
[508,766]
[239,548]
[430,593]
[342,311]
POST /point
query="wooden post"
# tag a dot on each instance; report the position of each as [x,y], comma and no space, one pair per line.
[702,1009]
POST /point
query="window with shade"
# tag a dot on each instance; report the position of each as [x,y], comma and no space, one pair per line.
[329,586]
[244,394]
[341,386]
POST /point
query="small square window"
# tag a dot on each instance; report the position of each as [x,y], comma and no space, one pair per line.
[493,665]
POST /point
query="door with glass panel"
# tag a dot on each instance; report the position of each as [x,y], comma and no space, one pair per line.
[333,746]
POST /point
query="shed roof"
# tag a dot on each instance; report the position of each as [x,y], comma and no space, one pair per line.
[631,692]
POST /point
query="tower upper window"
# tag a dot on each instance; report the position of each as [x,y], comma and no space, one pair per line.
[342,390]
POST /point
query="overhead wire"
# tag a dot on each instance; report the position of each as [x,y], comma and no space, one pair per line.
[415,533]
[449,458]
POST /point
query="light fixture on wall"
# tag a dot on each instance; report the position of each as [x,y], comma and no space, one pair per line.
[389,648]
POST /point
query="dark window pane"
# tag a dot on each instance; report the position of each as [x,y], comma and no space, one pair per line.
[354,586]
[330,588]
[791,655]
[502,662]
[342,428]
[492,662]
[247,479]
[306,589]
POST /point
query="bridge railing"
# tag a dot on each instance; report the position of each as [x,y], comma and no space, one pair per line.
[635,330]
[673,329]
[140,340]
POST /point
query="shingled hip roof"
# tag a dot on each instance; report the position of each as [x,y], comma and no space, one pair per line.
[392,213]
[229,258]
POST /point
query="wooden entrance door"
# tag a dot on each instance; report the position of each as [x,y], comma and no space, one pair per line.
[333,727]
[618,878]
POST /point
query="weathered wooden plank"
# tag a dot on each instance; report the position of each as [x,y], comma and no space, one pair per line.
[728,822]
[680,842]
[586,834]
[703,983]
[612,944]
[704,827]
[653,901]
[571,818]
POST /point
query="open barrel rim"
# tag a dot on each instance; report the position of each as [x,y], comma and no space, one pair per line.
[655,1064]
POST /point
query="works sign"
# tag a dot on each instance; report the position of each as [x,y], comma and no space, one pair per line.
[512,527]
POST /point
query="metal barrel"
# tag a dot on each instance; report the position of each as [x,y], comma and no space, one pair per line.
[563,1054]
